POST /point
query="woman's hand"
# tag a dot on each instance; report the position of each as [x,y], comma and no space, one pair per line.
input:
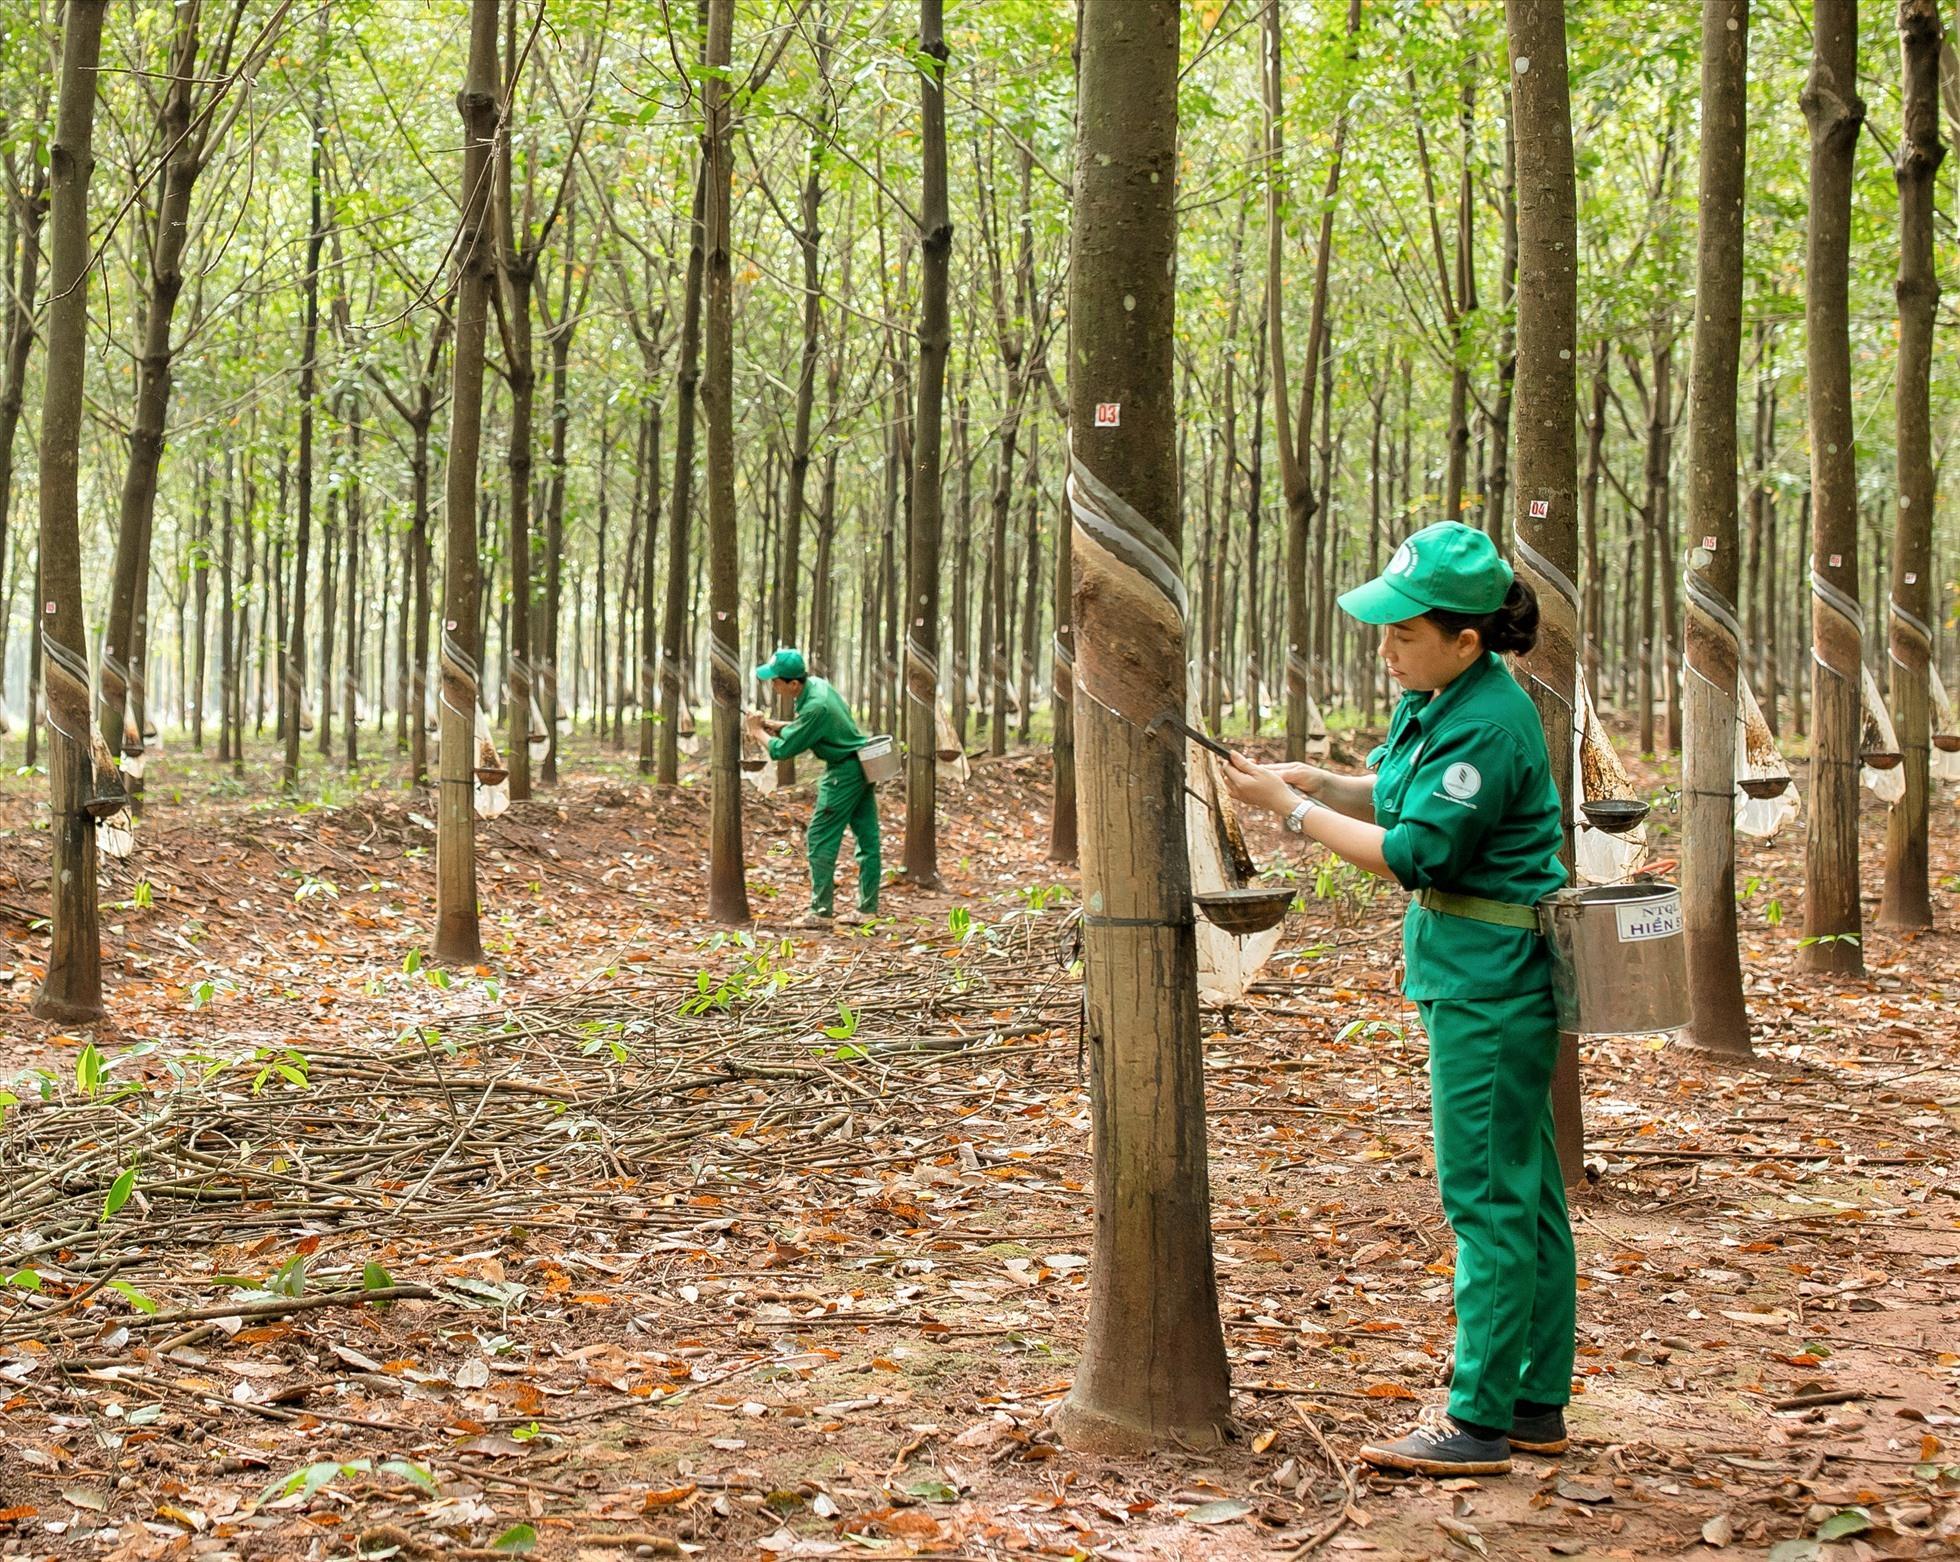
[1258,787]
[1307,780]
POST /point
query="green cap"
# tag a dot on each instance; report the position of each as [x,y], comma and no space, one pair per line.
[786,663]
[1449,566]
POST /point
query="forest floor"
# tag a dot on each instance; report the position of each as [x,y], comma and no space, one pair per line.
[772,1244]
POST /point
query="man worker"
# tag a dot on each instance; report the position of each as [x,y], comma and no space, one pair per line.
[845,799]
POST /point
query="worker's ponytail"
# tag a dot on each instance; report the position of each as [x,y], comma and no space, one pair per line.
[1513,627]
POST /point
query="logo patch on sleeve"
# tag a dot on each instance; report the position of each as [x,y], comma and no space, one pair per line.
[1463,781]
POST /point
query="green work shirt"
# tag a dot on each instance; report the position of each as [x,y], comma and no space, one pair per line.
[1463,788]
[823,726]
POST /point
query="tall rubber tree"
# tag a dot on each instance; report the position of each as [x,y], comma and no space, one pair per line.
[71,991]
[1152,1370]
[27,199]
[1295,436]
[1714,633]
[1545,504]
[809,246]
[1832,917]
[1907,903]
[188,125]
[680,504]
[458,939]
[922,573]
[292,658]
[728,896]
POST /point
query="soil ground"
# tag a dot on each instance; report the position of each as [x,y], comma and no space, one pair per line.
[777,1243]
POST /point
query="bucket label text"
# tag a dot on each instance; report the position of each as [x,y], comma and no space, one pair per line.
[1651,919]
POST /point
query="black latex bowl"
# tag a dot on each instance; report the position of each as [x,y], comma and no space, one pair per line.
[1761,787]
[1242,912]
[1613,815]
[1883,758]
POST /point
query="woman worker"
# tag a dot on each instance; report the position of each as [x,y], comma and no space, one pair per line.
[1461,810]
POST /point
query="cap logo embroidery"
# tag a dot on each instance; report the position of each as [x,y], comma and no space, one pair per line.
[1462,781]
[1404,562]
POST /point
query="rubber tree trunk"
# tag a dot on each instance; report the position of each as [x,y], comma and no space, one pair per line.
[728,898]
[809,244]
[1545,509]
[650,620]
[680,509]
[1833,924]
[71,992]
[350,683]
[292,662]
[201,563]
[1906,902]
[1714,633]
[517,272]
[458,940]
[130,571]
[1062,829]
[1295,436]
[30,207]
[559,336]
[927,521]
[1152,1371]
[1497,493]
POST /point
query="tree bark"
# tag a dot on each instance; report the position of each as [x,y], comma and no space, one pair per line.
[680,509]
[458,940]
[517,271]
[927,518]
[1833,925]
[1152,1370]
[350,683]
[558,335]
[129,591]
[1295,466]
[29,209]
[1545,509]
[292,661]
[1907,902]
[1714,633]
[728,899]
[71,992]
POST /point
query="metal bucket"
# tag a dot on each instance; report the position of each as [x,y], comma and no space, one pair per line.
[1619,959]
[880,760]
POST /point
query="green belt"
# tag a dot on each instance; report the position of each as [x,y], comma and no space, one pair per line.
[1501,913]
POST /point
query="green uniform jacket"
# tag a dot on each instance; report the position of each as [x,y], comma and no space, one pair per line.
[823,726]
[1463,788]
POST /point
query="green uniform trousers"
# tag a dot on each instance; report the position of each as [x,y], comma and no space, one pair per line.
[1490,1076]
[845,800]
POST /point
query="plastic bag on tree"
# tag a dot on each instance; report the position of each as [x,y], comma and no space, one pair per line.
[115,836]
[688,738]
[952,753]
[1945,758]
[1878,747]
[1220,860]
[1766,796]
[539,734]
[1316,732]
[1598,775]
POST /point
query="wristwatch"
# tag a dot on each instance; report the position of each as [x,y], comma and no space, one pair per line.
[1296,821]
